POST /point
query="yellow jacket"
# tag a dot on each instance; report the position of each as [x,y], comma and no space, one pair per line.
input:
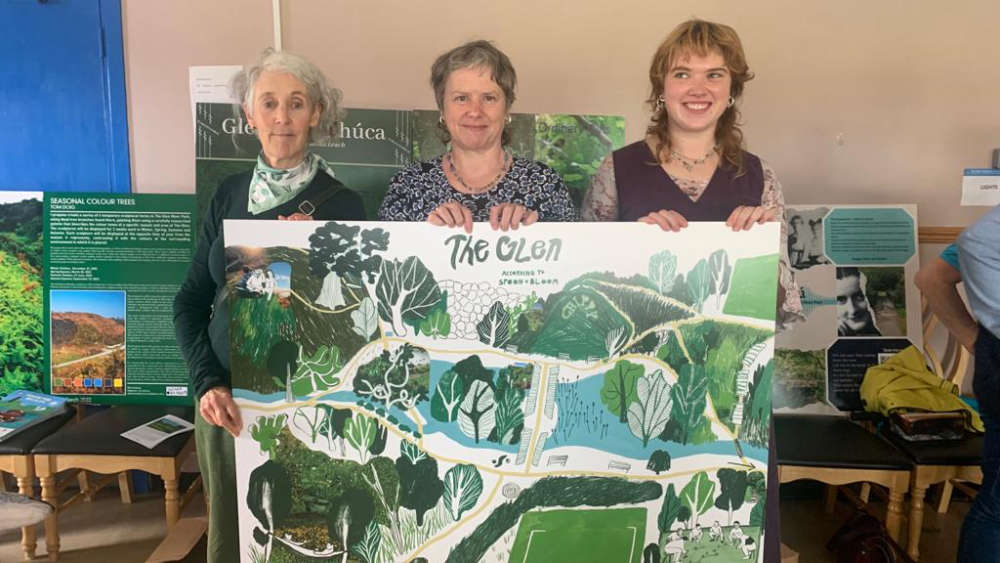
[904,383]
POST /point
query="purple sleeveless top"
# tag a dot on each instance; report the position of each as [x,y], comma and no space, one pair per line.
[644,187]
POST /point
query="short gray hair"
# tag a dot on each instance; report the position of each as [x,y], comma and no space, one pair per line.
[474,54]
[317,89]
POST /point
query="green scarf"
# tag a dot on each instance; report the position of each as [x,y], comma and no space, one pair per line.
[270,187]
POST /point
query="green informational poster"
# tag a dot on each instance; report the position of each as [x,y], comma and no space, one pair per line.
[372,146]
[21,343]
[113,264]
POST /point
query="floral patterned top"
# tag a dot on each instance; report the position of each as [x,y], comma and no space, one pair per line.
[422,187]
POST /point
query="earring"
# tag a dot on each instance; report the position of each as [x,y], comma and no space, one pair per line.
[732,101]
[660,103]
[441,120]
[509,119]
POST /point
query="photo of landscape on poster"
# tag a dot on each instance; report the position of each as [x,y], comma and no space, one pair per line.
[21,342]
[561,392]
[854,266]
[113,263]
[373,145]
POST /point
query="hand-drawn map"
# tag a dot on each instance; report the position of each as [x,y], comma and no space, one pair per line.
[562,392]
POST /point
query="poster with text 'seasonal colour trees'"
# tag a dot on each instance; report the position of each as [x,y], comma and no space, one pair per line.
[570,392]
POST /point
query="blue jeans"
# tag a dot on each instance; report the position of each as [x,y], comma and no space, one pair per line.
[980,539]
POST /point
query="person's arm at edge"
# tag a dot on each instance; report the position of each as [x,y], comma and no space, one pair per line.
[938,282]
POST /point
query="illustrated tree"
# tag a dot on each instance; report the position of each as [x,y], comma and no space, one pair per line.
[407,293]
[732,491]
[310,420]
[757,407]
[265,432]
[699,283]
[659,461]
[649,413]
[471,369]
[397,377]
[663,271]
[757,494]
[332,426]
[494,328]
[365,319]
[383,480]
[477,413]
[316,372]
[619,389]
[448,394]
[359,431]
[509,416]
[367,548]
[462,487]
[720,272]
[342,252]
[651,554]
[689,397]
[697,495]
[438,321]
[668,510]
[282,360]
[348,518]
[419,485]
[269,499]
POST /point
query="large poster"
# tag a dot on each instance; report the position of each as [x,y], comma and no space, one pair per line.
[21,342]
[563,392]
[854,266]
[113,264]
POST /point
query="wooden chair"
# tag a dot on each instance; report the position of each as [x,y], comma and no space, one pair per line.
[944,462]
[836,451]
[94,444]
[15,458]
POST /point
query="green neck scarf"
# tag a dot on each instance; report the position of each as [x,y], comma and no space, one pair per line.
[270,187]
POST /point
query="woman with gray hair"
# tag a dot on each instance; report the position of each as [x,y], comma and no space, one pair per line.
[477,179]
[288,103]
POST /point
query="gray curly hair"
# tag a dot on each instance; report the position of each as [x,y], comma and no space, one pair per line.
[317,89]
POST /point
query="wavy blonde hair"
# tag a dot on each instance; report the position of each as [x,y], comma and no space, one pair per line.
[701,38]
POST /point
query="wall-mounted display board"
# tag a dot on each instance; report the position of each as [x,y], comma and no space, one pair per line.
[113,264]
[374,145]
[854,266]
[414,393]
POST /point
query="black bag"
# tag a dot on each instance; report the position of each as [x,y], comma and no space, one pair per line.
[863,539]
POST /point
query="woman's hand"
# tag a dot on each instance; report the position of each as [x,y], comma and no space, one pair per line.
[746,216]
[451,214]
[506,216]
[667,220]
[218,408]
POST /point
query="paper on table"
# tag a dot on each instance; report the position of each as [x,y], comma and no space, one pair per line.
[211,84]
[156,431]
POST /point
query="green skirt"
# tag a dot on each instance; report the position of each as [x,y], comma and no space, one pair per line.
[217,460]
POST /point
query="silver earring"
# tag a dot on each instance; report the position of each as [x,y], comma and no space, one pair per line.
[509,119]
[660,103]
[732,101]
[441,120]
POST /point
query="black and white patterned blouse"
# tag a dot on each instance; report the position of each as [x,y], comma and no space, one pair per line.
[422,187]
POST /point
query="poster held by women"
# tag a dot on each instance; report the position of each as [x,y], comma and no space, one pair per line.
[854,266]
[410,391]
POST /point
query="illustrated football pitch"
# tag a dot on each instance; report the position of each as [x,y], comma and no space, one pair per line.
[750,280]
[613,534]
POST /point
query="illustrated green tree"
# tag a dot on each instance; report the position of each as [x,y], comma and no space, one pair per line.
[438,321]
[668,510]
[365,319]
[407,293]
[756,494]
[494,328]
[420,488]
[509,416]
[663,270]
[359,432]
[757,407]
[470,369]
[269,499]
[649,413]
[448,395]
[651,554]
[732,491]
[720,272]
[265,432]
[332,426]
[462,487]
[347,252]
[397,377]
[619,389]
[310,420]
[697,495]
[699,283]
[348,518]
[477,413]
[690,396]
[367,548]
[659,461]
[317,372]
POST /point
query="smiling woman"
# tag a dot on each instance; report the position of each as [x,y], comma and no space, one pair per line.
[477,179]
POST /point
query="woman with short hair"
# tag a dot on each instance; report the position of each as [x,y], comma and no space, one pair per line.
[288,102]
[478,179]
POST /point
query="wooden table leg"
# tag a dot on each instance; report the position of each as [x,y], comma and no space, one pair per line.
[24,470]
[894,513]
[171,495]
[917,493]
[50,494]
[125,487]
[831,498]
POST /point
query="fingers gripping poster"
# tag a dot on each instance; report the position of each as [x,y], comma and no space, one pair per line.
[563,392]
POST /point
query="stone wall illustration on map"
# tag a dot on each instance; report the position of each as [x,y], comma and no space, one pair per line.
[411,393]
